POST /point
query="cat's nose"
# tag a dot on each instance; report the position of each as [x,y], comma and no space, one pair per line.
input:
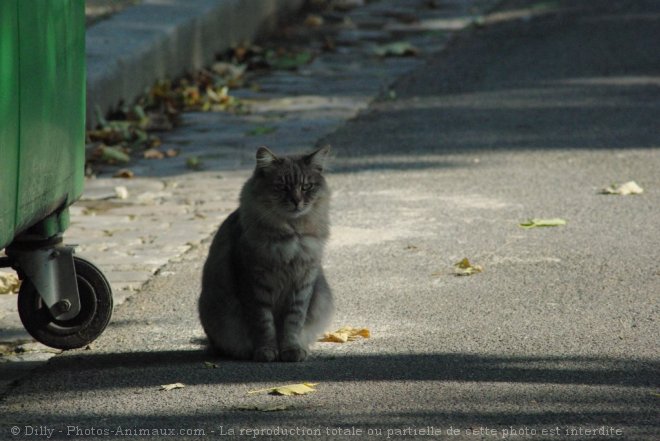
[297,199]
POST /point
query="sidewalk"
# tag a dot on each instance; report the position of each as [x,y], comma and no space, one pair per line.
[170,209]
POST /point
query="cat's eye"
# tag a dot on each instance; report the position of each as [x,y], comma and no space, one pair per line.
[307,187]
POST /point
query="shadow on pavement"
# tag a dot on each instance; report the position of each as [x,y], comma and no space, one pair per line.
[627,404]
[573,80]
[133,369]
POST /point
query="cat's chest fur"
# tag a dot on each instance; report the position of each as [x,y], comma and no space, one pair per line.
[296,247]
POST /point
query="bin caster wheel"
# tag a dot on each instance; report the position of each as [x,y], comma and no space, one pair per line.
[95,310]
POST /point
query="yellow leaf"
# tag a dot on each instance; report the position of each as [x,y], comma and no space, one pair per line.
[9,283]
[533,223]
[168,387]
[288,390]
[630,187]
[344,334]
[465,268]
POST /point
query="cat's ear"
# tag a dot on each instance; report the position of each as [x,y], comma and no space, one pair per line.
[265,158]
[318,158]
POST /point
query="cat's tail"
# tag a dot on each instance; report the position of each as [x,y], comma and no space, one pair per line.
[319,313]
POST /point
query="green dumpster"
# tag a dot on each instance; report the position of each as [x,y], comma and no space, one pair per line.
[64,300]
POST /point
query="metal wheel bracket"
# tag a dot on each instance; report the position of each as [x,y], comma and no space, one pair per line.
[53,274]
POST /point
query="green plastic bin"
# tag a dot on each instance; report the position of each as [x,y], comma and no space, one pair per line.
[42,155]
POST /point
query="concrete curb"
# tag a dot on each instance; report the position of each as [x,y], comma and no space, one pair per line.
[131,50]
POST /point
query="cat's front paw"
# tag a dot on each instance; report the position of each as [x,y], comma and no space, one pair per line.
[293,354]
[265,353]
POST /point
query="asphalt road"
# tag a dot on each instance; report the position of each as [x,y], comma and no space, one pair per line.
[517,119]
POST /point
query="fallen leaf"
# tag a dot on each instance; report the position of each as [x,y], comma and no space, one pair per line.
[124,173]
[153,154]
[465,268]
[194,163]
[261,130]
[171,153]
[266,407]
[121,192]
[533,223]
[344,334]
[9,283]
[313,21]
[209,365]
[287,60]
[288,390]
[112,154]
[396,49]
[630,187]
[168,387]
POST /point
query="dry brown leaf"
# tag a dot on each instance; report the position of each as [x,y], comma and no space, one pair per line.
[171,153]
[344,334]
[124,173]
[153,154]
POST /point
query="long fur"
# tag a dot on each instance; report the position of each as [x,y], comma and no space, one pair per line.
[264,295]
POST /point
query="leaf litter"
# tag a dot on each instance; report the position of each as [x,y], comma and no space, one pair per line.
[129,130]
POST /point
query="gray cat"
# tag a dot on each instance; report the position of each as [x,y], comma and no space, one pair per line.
[264,296]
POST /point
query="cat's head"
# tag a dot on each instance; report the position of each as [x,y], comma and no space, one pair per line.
[290,185]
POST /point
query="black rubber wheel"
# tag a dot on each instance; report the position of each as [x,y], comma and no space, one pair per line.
[95,310]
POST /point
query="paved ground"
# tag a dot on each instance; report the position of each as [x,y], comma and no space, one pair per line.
[522,118]
[96,10]
[169,209]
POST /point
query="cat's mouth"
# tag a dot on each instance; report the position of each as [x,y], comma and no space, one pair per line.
[298,211]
